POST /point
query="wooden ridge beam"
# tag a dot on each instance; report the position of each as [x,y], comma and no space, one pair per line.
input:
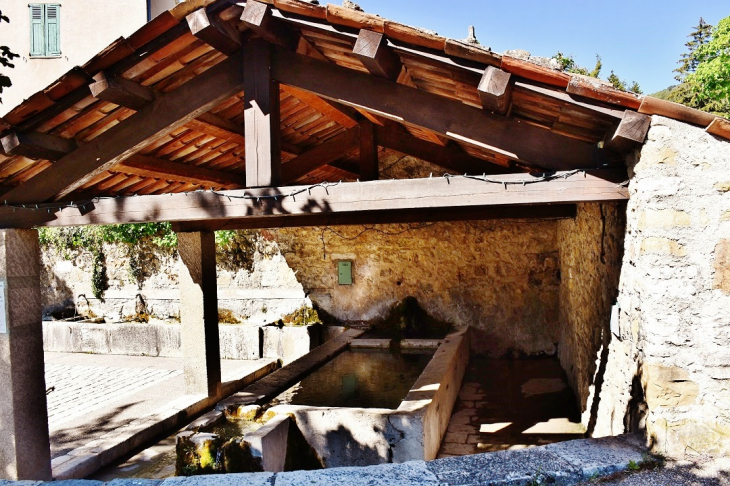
[396,138]
[495,90]
[416,216]
[219,35]
[349,197]
[320,155]
[167,113]
[371,48]
[629,134]
[36,145]
[521,142]
[157,168]
[121,91]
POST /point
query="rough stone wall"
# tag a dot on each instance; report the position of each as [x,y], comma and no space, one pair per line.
[501,277]
[675,291]
[591,248]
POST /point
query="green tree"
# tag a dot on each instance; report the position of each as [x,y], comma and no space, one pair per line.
[6,60]
[688,62]
[568,64]
[709,84]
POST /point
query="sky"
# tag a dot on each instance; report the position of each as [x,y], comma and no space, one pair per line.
[640,40]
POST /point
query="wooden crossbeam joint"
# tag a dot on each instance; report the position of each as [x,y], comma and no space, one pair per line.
[258,17]
[218,34]
[495,90]
[121,91]
[36,145]
[372,50]
[629,134]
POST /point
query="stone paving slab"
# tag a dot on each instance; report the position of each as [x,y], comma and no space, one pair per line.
[414,473]
[595,457]
[251,479]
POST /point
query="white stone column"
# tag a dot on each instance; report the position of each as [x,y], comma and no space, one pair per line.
[199,313]
[24,443]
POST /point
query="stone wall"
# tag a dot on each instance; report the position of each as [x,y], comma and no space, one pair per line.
[500,277]
[675,293]
[591,248]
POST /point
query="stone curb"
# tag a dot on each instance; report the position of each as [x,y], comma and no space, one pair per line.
[561,464]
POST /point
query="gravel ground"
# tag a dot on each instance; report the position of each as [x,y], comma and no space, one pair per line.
[680,473]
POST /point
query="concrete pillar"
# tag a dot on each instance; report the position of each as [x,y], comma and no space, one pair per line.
[199,313]
[25,451]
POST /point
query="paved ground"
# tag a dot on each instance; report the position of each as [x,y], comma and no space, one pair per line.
[510,405]
[698,472]
[94,394]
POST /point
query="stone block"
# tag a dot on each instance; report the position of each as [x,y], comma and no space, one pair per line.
[270,443]
[251,479]
[414,473]
[77,468]
[240,342]
[722,266]
[134,482]
[298,341]
[668,386]
[663,218]
[271,342]
[168,340]
[723,187]
[594,457]
[662,246]
[133,339]
[78,482]
[94,338]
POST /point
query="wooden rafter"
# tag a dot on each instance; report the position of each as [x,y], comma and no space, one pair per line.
[320,155]
[157,168]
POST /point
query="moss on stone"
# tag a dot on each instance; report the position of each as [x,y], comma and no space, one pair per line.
[305,316]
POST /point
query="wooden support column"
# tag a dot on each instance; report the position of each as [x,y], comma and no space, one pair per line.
[373,51]
[25,452]
[261,105]
[368,152]
[495,90]
[199,313]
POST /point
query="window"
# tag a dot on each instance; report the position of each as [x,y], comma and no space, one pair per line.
[45,32]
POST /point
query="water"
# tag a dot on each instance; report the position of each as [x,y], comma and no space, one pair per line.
[360,378]
[232,428]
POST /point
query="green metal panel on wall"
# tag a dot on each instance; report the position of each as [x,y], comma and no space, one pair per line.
[344,273]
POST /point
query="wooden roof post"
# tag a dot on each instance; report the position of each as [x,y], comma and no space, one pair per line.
[261,105]
[368,152]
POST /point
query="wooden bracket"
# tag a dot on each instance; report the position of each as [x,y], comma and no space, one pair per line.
[630,133]
[121,91]
[257,16]
[373,51]
[495,90]
[36,145]
[218,34]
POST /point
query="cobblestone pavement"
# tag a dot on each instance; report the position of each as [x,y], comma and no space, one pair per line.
[511,404]
[90,395]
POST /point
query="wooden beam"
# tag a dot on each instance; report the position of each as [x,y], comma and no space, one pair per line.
[417,216]
[220,35]
[495,90]
[36,145]
[630,133]
[372,50]
[518,141]
[167,113]
[348,197]
[121,91]
[261,112]
[369,170]
[320,155]
[258,17]
[457,161]
[157,168]
[720,127]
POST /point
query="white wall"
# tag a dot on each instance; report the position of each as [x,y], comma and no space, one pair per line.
[87,27]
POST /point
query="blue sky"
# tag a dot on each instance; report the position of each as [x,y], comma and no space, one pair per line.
[640,40]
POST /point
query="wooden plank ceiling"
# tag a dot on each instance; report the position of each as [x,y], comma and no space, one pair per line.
[493,124]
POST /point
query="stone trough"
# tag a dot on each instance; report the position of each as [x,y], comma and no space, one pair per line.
[320,436]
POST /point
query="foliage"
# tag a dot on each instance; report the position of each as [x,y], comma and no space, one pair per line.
[568,64]
[688,61]
[6,59]
[710,82]
[99,279]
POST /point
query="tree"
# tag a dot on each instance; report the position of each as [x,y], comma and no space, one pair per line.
[710,82]
[568,64]
[688,62]
[6,58]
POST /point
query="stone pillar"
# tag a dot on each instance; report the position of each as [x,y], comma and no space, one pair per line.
[199,313]
[25,452]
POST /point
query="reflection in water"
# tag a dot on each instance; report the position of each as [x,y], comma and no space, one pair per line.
[360,378]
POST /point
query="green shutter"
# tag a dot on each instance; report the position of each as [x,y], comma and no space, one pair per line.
[53,30]
[37,31]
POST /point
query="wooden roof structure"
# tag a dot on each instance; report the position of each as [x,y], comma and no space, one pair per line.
[282,96]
